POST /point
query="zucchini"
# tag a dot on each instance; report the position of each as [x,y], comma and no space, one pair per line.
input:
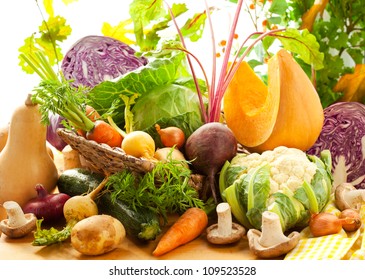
[78,181]
[141,223]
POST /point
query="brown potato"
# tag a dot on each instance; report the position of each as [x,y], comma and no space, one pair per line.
[97,235]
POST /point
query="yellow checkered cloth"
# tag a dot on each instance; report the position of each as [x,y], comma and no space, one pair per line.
[340,246]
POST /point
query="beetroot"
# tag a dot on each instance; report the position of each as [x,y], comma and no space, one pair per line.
[208,148]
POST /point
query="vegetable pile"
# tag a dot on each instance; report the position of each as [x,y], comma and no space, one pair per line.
[145,99]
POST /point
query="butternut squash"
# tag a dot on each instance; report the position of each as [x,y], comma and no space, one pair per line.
[250,110]
[25,161]
[4,131]
[287,113]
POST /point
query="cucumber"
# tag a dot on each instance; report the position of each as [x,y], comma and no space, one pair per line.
[141,224]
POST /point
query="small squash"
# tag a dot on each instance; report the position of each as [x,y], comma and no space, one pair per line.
[25,161]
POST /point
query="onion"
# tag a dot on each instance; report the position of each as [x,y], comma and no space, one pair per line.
[171,136]
[170,154]
[208,148]
[48,207]
[353,219]
[326,223]
[322,224]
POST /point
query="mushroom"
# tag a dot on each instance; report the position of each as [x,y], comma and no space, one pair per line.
[225,231]
[17,224]
[347,196]
[271,242]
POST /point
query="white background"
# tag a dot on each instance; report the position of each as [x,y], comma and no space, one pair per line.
[20,18]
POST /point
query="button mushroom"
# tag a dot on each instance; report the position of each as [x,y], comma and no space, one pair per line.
[17,224]
[271,242]
[225,231]
[348,197]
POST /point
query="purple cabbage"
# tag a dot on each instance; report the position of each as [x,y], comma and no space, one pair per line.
[55,122]
[94,59]
[343,133]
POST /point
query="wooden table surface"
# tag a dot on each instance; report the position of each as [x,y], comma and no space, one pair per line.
[200,248]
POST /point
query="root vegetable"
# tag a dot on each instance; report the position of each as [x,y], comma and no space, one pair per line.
[139,144]
[208,148]
[75,209]
[327,223]
[97,235]
[188,227]
[48,207]
[171,136]
[102,132]
[324,224]
[82,206]
[354,219]
[170,154]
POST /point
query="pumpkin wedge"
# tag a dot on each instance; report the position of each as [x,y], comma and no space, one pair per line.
[300,118]
[250,110]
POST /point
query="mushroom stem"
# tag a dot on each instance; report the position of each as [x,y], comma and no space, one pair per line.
[15,214]
[224,219]
[271,231]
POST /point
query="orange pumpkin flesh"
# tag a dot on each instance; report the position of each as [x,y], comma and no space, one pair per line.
[250,110]
[300,117]
[286,113]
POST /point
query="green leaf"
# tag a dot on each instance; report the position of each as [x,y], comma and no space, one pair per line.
[120,32]
[304,45]
[278,7]
[194,27]
[106,96]
[51,33]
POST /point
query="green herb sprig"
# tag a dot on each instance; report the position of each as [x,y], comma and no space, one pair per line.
[164,190]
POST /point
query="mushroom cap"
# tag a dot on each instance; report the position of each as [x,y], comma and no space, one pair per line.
[277,250]
[213,236]
[17,232]
[340,191]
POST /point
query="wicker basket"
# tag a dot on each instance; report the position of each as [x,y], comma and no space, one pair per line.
[104,159]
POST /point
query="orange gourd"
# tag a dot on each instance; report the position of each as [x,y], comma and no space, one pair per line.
[25,161]
[299,118]
[250,110]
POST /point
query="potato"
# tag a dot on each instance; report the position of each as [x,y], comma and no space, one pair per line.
[97,235]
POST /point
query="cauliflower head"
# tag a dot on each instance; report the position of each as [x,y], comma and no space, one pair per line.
[286,181]
[289,167]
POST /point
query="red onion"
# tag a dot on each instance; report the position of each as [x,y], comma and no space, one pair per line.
[48,207]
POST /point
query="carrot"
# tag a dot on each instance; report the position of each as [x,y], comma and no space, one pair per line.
[91,113]
[187,227]
[105,133]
